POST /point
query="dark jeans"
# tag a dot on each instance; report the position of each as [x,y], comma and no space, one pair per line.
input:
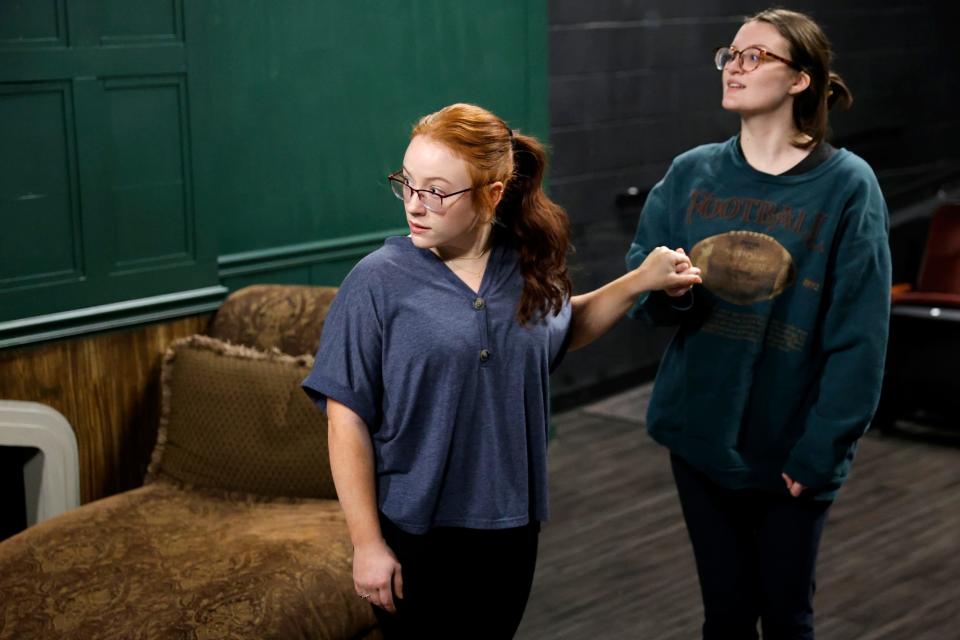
[756,555]
[460,583]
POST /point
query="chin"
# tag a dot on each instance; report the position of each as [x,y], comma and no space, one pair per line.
[730,103]
[421,242]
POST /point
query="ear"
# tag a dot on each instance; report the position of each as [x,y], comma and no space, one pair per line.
[800,83]
[496,192]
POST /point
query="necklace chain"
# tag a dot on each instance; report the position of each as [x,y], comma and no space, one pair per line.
[476,257]
[467,271]
[451,262]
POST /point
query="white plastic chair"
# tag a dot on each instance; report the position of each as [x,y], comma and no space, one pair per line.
[51,478]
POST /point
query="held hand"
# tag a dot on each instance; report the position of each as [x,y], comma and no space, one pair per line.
[794,487]
[376,575]
[670,271]
[676,292]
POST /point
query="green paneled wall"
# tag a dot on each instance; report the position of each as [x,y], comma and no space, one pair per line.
[155,153]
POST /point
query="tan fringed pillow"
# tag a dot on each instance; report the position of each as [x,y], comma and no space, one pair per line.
[236,419]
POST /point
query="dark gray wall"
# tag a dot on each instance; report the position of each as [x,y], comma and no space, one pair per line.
[632,85]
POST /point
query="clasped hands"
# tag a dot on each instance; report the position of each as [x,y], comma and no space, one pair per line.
[682,266]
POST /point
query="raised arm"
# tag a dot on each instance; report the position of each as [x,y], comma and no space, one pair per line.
[595,312]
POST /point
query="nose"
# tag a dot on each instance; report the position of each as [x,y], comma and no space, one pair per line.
[414,206]
[731,71]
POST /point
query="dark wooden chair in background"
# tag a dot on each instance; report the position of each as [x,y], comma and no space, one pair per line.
[922,373]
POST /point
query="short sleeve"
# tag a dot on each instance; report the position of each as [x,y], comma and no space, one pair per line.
[558,330]
[348,363]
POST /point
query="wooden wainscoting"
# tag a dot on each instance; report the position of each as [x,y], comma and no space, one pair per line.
[108,388]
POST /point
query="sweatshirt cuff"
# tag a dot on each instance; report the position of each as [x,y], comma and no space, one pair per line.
[637,311]
[684,302]
[806,476]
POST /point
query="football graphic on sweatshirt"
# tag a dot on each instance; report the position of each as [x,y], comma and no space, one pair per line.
[744,267]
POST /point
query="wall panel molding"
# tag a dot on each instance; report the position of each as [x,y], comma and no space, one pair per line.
[42,242]
[277,258]
[25,65]
[96,195]
[151,200]
[33,23]
[107,317]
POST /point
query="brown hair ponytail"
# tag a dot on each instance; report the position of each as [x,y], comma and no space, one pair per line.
[531,222]
[838,93]
[540,230]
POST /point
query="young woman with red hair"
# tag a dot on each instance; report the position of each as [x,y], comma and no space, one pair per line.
[433,370]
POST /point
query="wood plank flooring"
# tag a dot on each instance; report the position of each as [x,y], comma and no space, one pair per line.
[615,561]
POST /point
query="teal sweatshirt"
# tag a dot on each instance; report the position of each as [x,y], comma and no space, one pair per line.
[777,362]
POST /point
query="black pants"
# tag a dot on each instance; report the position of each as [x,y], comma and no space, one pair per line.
[460,583]
[756,555]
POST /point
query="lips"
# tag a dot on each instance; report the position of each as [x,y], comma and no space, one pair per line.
[416,228]
[735,85]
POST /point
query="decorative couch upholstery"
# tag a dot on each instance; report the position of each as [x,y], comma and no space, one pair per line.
[237,532]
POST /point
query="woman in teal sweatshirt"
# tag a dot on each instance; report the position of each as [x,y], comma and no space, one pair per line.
[775,370]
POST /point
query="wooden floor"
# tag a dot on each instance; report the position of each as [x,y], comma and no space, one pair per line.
[615,561]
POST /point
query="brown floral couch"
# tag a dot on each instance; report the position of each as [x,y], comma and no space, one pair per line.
[236,533]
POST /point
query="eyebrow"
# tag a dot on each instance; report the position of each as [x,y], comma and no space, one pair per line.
[758,46]
[434,178]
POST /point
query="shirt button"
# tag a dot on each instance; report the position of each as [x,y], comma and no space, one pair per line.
[484,355]
[479,304]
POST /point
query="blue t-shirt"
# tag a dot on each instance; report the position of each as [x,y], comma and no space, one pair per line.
[453,389]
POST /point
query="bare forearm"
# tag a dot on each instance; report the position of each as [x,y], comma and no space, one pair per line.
[594,313]
[352,466]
